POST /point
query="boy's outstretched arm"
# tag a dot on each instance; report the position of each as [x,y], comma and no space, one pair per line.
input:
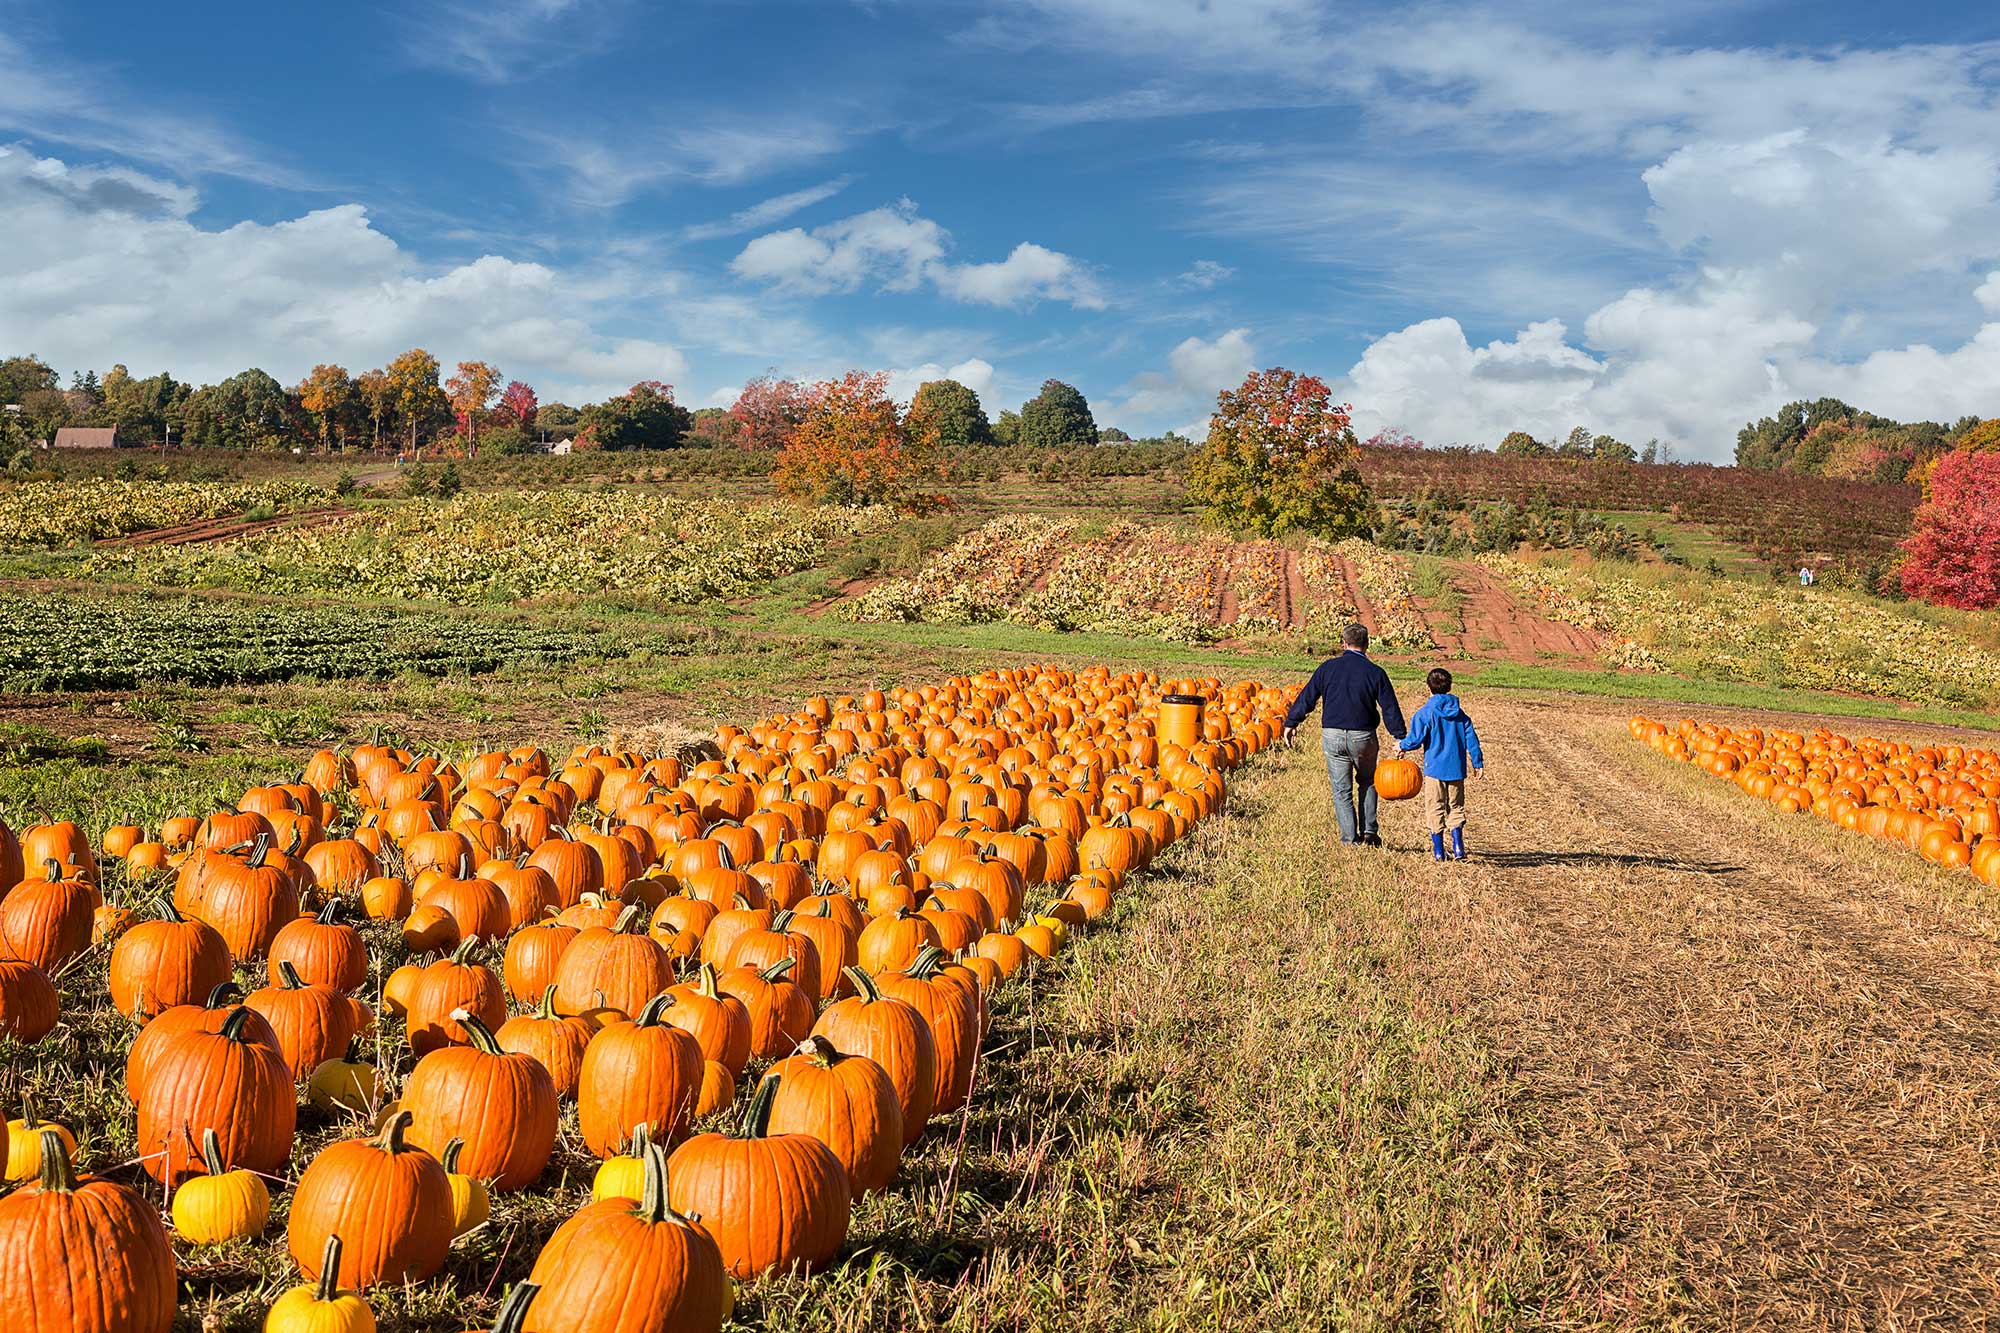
[1472,746]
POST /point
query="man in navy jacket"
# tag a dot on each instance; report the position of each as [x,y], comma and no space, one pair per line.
[1355,697]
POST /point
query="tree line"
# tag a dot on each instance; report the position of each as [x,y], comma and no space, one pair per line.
[1829,438]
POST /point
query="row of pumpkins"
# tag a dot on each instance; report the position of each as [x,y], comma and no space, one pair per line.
[1941,801]
[835,890]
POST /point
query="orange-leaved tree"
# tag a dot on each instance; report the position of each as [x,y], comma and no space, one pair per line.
[853,447]
[1281,457]
[470,390]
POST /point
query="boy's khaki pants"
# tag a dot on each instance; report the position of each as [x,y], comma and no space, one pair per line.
[1444,805]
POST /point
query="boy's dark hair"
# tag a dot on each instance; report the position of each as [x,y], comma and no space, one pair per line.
[1355,636]
[1439,680]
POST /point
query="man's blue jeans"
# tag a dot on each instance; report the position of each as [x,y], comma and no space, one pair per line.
[1350,759]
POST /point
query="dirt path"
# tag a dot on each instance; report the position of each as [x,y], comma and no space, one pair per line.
[1492,622]
[1781,1072]
[223,528]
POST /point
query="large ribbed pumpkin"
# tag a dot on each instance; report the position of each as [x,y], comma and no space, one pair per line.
[640,1070]
[772,1201]
[893,1035]
[847,1103]
[83,1255]
[501,1103]
[227,1081]
[389,1202]
[1398,779]
[624,1265]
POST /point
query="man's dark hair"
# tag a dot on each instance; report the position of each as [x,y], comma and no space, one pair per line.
[1439,680]
[1355,636]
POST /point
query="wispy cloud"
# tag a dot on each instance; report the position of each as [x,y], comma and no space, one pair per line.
[498,41]
[769,212]
[600,170]
[48,98]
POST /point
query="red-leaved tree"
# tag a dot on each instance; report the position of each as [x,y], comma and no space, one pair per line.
[1952,555]
[767,410]
[852,448]
[518,401]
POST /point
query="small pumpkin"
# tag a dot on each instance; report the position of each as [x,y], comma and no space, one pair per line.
[223,1205]
[344,1085]
[781,1011]
[470,1203]
[22,1156]
[322,1305]
[313,1023]
[29,1005]
[1398,779]
[453,983]
[159,964]
[324,950]
[48,921]
[557,1041]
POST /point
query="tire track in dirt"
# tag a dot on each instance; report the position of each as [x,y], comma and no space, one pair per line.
[1780,1075]
[1493,622]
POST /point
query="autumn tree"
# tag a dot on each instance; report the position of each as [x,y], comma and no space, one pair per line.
[767,410]
[470,389]
[1521,444]
[413,381]
[1952,555]
[1281,457]
[378,399]
[520,404]
[643,417]
[1056,417]
[953,411]
[328,396]
[853,447]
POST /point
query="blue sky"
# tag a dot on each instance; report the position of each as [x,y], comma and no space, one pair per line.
[1656,221]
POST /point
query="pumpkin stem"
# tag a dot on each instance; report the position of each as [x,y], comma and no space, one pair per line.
[51,869]
[547,1010]
[655,1007]
[464,949]
[477,1032]
[626,920]
[779,968]
[513,1316]
[757,1116]
[928,960]
[330,914]
[290,975]
[722,852]
[738,902]
[28,1120]
[391,1139]
[864,985]
[451,1152]
[781,919]
[705,982]
[58,1172]
[232,1026]
[329,1272]
[211,1152]
[465,865]
[819,1050]
[226,993]
[259,850]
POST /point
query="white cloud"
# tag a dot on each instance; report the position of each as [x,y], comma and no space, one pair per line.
[975,374]
[1030,273]
[769,211]
[1196,371]
[1988,293]
[891,246]
[85,281]
[1206,273]
[897,249]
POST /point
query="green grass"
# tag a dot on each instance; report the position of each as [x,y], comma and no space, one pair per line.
[1696,543]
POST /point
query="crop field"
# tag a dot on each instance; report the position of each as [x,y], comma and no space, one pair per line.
[1701,1036]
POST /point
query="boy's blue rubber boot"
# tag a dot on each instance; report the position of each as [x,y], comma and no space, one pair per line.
[1458,844]
[1437,846]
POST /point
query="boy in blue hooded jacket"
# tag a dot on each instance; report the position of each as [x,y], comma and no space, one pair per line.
[1443,731]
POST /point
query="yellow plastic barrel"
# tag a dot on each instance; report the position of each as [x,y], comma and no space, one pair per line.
[1180,720]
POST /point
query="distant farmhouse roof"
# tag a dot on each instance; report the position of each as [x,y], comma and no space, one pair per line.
[87,437]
